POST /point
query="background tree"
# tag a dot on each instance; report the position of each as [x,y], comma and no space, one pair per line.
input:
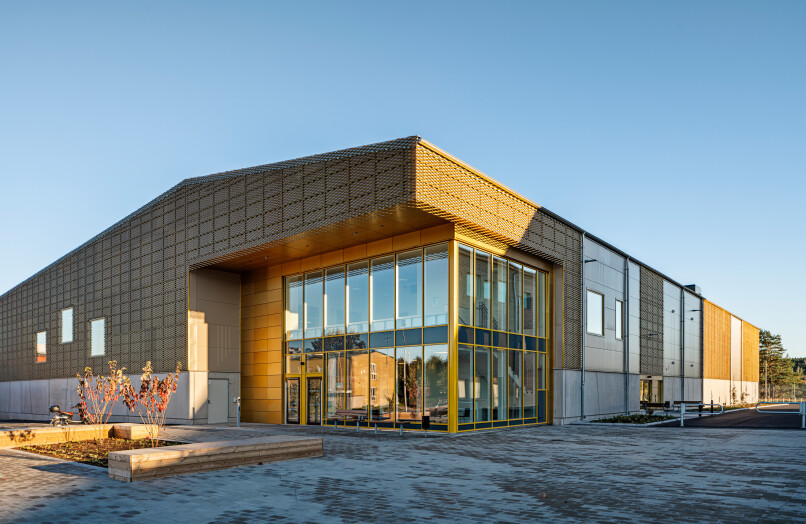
[776,371]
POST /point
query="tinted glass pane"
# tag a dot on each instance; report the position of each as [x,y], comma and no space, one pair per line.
[515,341]
[382,384]
[357,379]
[465,278]
[382,288]
[409,289]
[619,317]
[482,289]
[294,347]
[409,383]
[541,371]
[515,392]
[293,307]
[483,337]
[314,363]
[332,344]
[531,344]
[529,386]
[595,312]
[382,339]
[334,301]
[499,380]
[315,345]
[67,326]
[466,335]
[541,304]
[465,376]
[313,304]
[529,301]
[357,341]
[515,298]
[97,337]
[481,381]
[358,297]
[436,285]
[436,383]
[293,363]
[335,383]
[435,335]
[409,337]
[499,297]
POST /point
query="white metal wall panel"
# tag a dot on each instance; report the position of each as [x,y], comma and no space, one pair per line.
[605,276]
[635,317]
[671,330]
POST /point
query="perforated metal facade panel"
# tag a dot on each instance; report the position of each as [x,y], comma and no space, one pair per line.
[135,273]
[651,323]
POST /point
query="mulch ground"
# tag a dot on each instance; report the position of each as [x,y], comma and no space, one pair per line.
[93,452]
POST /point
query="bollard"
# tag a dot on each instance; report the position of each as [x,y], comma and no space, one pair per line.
[682,413]
[376,428]
[357,422]
[803,415]
[401,430]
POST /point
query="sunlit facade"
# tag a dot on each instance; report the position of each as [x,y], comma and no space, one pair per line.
[371,343]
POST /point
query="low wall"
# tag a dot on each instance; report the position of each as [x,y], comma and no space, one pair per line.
[150,463]
[13,438]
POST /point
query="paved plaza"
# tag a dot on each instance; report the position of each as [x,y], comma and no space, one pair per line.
[553,474]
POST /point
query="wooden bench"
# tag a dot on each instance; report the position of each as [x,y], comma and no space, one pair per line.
[149,463]
[351,414]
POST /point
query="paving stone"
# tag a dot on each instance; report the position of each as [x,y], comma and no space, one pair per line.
[603,474]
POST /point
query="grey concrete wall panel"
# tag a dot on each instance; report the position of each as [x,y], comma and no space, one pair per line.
[634,271]
[605,276]
[135,274]
[604,394]
[693,389]
[672,389]
[672,351]
[651,323]
[693,336]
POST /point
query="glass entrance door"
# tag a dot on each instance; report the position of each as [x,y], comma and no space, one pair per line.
[314,401]
[292,402]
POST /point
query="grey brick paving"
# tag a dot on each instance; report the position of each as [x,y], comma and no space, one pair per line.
[601,474]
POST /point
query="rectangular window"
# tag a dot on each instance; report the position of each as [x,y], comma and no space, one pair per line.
[595,316]
[436,382]
[409,289]
[334,301]
[529,386]
[313,304]
[499,384]
[541,304]
[382,293]
[66,326]
[515,298]
[335,383]
[293,308]
[358,297]
[382,382]
[529,301]
[97,337]
[515,391]
[41,346]
[482,290]
[465,285]
[465,376]
[619,319]
[409,383]
[357,383]
[481,380]
[436,285]
[499,294]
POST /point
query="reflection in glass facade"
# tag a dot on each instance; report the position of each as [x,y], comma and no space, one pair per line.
[376,331]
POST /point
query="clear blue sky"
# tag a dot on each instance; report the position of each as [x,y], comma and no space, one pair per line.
[690,116]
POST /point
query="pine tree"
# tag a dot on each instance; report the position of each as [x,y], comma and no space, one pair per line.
[775,369]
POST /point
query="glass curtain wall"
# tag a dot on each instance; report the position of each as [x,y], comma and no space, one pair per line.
[379,330]
[502,314]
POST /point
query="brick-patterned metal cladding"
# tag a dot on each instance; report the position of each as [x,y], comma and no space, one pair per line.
[135,273]
[651,347]
[451,191]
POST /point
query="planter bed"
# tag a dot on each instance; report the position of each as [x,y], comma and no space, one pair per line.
[92,452]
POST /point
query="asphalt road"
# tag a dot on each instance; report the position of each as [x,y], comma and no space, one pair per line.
[747,418]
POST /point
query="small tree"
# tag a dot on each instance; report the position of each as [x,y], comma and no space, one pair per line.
[97,394]
[151,401]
